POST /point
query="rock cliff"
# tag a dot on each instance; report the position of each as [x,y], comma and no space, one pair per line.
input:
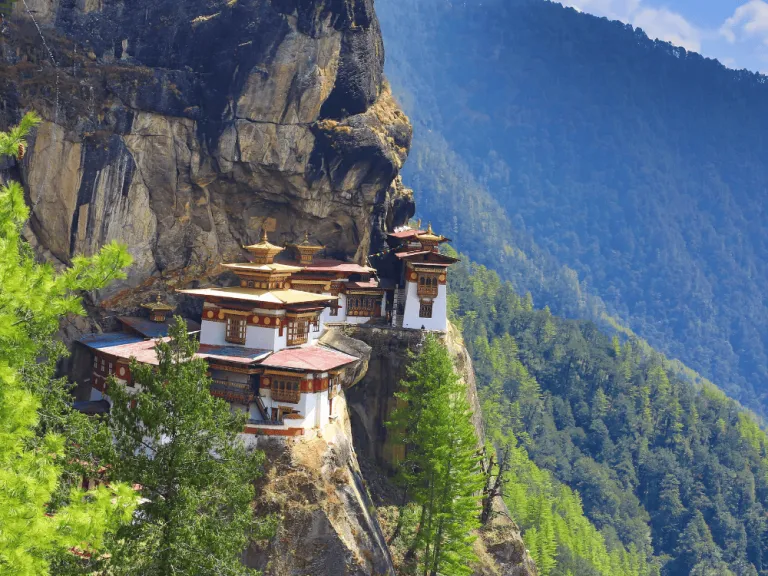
[183,128]
[500,547]
[331,491]
[327,521]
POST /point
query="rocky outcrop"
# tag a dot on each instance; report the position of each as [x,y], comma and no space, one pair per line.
[499,546]
[183,128]
[327,523]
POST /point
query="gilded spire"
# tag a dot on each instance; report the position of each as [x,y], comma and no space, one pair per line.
[158,309]
[430,237]
[264,252]
[306,250]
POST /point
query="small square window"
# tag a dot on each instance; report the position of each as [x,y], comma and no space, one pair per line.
[425,310]
[236,326]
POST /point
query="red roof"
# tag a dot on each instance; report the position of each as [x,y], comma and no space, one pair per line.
[143,351]
[308,358]
[330,265]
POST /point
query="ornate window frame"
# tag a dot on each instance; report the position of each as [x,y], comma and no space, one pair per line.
[236,328]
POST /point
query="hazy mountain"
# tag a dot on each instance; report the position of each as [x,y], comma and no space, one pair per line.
[603,171]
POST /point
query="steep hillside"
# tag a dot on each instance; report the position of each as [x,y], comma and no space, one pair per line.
[499,545]
[603,171]
[677,473]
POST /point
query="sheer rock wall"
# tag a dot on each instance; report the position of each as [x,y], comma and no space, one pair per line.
[183,128]
[500,545]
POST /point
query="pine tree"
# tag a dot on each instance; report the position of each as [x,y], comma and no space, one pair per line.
[36,525]
[441,470]
[181,445]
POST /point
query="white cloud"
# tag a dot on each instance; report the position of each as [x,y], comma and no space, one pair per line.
[741,41]
[669,26]
[660,23]
[749,20]
[612,9]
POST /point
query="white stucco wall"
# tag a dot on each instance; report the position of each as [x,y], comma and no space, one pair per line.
[213,333]
[265,338]
[357,319]
[313,408]
[262,338]
[439,320]
[325,315]
[323,411]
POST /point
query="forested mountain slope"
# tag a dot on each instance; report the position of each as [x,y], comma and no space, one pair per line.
[607,173]
[675,474]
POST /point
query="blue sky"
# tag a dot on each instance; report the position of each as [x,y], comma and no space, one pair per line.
[733,31]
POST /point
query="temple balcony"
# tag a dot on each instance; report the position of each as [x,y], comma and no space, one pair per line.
[238,392]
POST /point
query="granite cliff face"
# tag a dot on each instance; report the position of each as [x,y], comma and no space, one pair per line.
[499,545]
[328,524]
[183,128]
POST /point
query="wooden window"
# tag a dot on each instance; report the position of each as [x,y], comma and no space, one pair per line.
[428,285]
[361,305]
[285,389]
[236,326]
[335,308]
[425,309]
[298,332]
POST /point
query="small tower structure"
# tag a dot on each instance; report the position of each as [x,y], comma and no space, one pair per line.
[305,251]
[422,298]
[158,310]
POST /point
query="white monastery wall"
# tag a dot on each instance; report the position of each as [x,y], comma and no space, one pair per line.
[439,320]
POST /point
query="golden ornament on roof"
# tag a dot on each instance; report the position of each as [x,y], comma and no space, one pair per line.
[264,251]
[430,236]
[158,305]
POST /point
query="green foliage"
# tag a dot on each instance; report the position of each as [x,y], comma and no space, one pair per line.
[441,469]
[42,517]
[613,176]
[674,476]
[181,445]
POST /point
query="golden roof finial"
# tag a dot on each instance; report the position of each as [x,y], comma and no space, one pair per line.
[418,224]
[263,252]
[306,237]
[430,237]
[158,304]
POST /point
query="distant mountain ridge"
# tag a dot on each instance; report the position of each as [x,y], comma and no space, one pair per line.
[609,174]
